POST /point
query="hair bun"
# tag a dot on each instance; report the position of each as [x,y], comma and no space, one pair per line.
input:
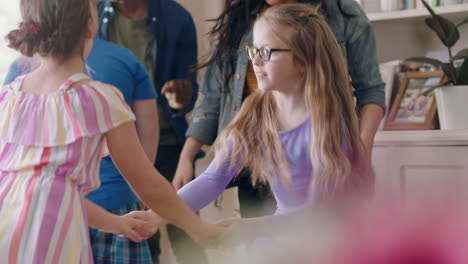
[30,27]
[26,39]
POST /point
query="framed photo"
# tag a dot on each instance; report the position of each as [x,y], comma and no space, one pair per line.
[412,109]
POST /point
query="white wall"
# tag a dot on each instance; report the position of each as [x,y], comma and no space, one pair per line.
[9,17]
[201,11]
[403,40]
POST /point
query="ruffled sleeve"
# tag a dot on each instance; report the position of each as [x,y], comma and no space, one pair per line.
[63,117]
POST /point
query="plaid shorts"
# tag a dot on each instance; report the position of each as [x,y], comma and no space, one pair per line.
[113,249]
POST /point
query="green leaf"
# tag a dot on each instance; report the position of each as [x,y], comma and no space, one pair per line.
[462,54]
[463,74]
[429,8]
[431,88]
[463,22]
[445,30]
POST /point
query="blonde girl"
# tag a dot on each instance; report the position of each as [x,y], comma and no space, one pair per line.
[299,131]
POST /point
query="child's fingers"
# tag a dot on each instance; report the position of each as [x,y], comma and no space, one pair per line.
[146,231]
[135,215]
[139,217]
[132,235]
[227,221]
[131,229]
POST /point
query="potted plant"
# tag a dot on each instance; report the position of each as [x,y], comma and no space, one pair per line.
[451,98]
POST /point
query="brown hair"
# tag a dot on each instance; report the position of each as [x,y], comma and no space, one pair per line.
[51,27]
[336,149]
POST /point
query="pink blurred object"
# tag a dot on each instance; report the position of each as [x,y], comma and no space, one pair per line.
[390,233]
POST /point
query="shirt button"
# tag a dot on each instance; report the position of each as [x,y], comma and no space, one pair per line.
[233,107]
[105,20]
[154,19]
[238,76]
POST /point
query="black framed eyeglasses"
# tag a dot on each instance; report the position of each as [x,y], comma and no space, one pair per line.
[264,53]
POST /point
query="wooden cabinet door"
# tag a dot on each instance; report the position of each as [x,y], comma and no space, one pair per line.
[420,171]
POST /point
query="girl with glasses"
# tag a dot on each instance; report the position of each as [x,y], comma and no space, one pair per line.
[299,131]
[229,79]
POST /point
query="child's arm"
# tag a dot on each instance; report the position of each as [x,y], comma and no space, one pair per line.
[199,192]
[155,191]
[208,186]
[147,125]
[99,218]
[243,230]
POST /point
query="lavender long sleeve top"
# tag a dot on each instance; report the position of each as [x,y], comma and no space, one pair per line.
[296,143]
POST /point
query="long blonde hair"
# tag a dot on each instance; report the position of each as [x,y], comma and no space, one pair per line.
[336,151]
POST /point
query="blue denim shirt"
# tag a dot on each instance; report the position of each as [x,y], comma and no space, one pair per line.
[173,48]
[216,107]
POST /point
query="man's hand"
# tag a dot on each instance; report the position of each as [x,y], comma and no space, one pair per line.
[178,93]
[183,175]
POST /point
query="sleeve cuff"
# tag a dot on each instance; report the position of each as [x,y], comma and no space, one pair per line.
[203,129]
[376,97]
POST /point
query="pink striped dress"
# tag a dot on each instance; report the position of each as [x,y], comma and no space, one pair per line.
[50,149]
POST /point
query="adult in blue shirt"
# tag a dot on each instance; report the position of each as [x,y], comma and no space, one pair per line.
[117,66]
[162,35]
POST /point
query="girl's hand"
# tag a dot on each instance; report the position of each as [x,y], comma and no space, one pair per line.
[239,230]
[126,226]
[228,221]
[152,220]
[208,235]
[233,233]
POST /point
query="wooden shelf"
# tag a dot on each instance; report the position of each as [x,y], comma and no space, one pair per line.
[452,12]
[422,138]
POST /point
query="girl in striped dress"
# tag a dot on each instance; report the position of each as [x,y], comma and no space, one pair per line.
[55,126]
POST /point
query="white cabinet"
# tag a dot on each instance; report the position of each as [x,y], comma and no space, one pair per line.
[420,163]
[403,34]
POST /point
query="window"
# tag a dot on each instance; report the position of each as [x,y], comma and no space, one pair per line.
[9,19]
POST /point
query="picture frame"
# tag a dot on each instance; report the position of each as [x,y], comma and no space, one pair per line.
[411,109]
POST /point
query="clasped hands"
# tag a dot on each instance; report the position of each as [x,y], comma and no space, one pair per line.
[224,233]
